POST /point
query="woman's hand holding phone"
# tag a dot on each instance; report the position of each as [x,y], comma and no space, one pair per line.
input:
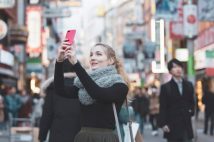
[67,49]
[61,51]
[70,53]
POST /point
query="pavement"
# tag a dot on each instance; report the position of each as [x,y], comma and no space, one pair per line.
[197,126]
[147,137]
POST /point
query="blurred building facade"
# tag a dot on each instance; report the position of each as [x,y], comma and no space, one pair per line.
[8,64]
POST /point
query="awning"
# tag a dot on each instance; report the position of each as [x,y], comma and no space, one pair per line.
[9,81]
[7,72]
[207,72]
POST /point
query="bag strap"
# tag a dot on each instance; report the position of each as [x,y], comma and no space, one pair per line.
[129,121]
[117,122]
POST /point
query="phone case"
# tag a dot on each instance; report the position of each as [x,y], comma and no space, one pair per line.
[70,35]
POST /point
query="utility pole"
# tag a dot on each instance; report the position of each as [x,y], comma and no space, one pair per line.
[20,21]
[190,31]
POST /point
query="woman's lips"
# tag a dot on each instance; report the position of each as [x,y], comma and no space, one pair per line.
[93,64]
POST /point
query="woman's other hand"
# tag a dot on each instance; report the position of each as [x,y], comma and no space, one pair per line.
[70,53]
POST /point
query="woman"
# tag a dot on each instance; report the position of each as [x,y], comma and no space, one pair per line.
[53,119]
[105,84]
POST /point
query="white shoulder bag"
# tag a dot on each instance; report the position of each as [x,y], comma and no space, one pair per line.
[117,123]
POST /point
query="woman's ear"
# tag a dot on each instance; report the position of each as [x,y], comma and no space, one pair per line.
[111,61]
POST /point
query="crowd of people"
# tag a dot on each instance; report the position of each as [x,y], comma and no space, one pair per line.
[19,104]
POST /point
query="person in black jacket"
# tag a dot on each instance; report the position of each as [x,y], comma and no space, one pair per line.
[140,105]
[58,118]
[96,89]
[208,100]
[176,105]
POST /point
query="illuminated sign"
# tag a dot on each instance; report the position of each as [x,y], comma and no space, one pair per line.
[7,3]
[3,29]
[157,36]
[34,24]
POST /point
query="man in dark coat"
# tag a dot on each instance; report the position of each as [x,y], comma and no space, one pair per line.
[176,105]
[61,116]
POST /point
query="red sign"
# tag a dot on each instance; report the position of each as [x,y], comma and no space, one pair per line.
[209,71]
[176,30]
[176,26]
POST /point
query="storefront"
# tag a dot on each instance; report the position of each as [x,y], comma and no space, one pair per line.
[204,59]
[7,74]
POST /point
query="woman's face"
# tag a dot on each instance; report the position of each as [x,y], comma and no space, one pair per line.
[98,57]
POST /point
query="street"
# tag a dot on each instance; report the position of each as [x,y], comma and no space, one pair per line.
[197,125]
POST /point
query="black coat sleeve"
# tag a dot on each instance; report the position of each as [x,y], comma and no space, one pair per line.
[47,115]
[60,88]
[163,107]
[192,100]
[115,93]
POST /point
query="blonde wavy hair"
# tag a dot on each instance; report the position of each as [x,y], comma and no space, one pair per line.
[118,64]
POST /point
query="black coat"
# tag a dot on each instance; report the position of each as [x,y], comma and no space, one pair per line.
[60,115]
[140,105]
[176,109]
[208,101]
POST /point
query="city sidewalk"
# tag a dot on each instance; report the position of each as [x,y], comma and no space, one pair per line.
[198,130]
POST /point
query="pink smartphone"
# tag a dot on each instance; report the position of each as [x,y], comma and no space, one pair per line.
[70,36]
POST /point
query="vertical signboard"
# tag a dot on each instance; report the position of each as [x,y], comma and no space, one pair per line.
[190,20]
[34,24]
[176,25]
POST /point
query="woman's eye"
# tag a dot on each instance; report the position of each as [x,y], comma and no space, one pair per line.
[99,54]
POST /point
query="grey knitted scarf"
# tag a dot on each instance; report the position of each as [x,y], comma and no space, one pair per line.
[103,77]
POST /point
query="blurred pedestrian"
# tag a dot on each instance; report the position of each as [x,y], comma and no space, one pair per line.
[140,105]
[3,115]
[177,105]
[154,110]
[38,102]
[97,90]
[13,102]
[26,107]
[208,100]
[61,116]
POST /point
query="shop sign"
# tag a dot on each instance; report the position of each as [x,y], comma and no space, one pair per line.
[18,34]
[71,3]
[34,41]
[34,65]
[182,54]
[210,53]
[200,61]
[204,39]
[177,25]
[6,58]
[166,9]
[206,10]
[7,3]
[190,20]
[3,29]
[204,58]
[56,12]
[176,30]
